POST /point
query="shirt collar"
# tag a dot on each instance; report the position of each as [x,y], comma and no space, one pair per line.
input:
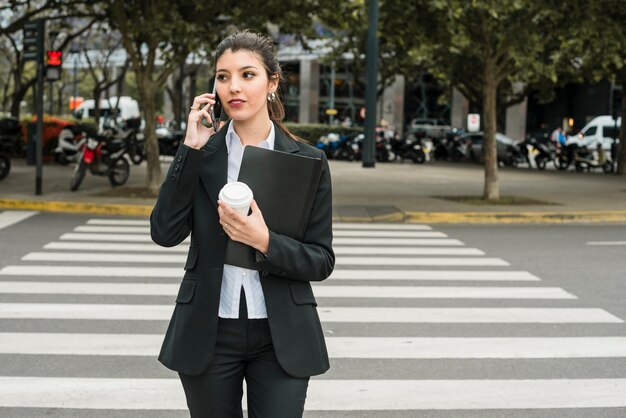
[232,136]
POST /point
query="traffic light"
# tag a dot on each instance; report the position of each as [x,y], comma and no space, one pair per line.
[55,58]
[53,65]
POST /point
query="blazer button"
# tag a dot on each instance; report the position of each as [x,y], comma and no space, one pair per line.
[173,177]
[176,167]
[264,273]
[180,158]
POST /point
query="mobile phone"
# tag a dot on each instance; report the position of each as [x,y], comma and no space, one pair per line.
[216,110]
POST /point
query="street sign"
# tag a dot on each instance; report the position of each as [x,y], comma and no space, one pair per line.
[33,41]
[473,122]
[331,112]
[53,73]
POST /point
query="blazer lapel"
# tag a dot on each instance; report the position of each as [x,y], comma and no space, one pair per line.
[282,142]
[214,169]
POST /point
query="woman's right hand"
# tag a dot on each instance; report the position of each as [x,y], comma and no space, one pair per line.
[197,134]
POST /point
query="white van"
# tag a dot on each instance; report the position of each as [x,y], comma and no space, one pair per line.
[599,130]
[128,110]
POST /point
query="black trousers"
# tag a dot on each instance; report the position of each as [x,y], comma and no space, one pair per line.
[244,350]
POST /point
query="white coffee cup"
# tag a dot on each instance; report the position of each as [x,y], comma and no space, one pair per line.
[238,196]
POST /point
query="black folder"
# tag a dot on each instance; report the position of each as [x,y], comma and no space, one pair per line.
[284,187]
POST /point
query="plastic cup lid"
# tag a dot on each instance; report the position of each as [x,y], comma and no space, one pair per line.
[236,193]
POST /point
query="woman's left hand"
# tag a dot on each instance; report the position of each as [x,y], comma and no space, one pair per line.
[250,230]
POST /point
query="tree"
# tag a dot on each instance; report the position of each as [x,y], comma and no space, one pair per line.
[600,46]
[157,36]
[483,47]
[345,24]
[98,51]
[58,13]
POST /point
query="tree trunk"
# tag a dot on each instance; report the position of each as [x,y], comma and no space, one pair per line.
[96,104]
[5,94]
[18,95]
[147,88]
[491,190]
[61,98]
[621,150]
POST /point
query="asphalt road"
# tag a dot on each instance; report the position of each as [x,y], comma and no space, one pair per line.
[440,349]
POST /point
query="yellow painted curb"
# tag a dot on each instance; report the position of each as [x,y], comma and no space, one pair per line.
[513,218]
[77,207]
[406,217]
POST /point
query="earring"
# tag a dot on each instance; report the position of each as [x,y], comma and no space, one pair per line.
[271,97]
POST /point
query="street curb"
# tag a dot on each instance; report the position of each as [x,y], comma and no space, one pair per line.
[396,217]
[516,217]
[77,207]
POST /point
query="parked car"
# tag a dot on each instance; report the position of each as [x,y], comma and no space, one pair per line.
[52,127]
[600,130]
[433,128]
[507,148]
[127,111]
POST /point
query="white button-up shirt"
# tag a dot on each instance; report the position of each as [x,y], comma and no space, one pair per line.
[236,277]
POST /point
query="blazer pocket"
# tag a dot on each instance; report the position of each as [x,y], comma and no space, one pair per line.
[186,291]
[301,293]
[192,257]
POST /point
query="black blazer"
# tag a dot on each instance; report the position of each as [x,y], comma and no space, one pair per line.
[187,203]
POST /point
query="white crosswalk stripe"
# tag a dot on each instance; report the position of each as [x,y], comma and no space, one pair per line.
[389,275]
[337,233]
[325,395]
[338,347]
[340,261]
[115,312]
[415,292]
[11,217]
[339,250]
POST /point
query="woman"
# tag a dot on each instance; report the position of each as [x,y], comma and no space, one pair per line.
[230,323]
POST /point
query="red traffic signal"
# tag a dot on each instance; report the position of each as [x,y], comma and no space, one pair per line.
[55,58]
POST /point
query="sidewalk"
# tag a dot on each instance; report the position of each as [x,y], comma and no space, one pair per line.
[389,192]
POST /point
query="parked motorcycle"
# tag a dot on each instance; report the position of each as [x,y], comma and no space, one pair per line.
[383,151]
[11,138]
[609,167]
[328,144]
[347,148]
[134,141]
[71,140]
[454,146]
[543,153]
[565,156]
[5,160]
[586,159]
[10,144]
[169,138]
[102,156]
[411,147]
[516,155]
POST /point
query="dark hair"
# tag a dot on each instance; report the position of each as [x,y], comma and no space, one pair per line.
[264,47]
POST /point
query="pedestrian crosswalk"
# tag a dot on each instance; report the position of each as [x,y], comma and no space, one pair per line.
[405,311]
